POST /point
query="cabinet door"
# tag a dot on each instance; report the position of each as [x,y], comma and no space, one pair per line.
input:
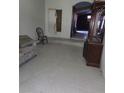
[94,54]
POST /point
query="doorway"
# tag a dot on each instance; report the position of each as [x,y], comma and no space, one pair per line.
[80,20]
[54,21]
[51,21]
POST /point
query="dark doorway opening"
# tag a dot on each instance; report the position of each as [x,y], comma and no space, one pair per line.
[80,20]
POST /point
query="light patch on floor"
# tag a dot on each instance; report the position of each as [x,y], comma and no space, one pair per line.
[60,68]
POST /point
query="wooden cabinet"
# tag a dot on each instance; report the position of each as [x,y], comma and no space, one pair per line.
[92,53]
[94,44]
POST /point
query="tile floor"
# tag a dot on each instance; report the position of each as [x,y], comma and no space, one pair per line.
[60,68]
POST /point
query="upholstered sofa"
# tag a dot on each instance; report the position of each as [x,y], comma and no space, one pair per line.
[27,49]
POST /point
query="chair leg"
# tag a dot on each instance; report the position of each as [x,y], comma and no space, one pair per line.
[47,40]
[43,42]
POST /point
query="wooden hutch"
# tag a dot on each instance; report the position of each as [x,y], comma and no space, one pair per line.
[93,45]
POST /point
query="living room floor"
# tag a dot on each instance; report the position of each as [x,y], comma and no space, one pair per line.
[60,68]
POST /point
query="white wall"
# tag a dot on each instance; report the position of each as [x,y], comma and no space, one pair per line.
[31,15]
[103,59]
[66,6]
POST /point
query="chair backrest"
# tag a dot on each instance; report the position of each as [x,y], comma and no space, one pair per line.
[40,32]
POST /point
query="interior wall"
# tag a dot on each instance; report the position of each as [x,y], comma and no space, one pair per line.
[103,60]
[66,6]
[31,15]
